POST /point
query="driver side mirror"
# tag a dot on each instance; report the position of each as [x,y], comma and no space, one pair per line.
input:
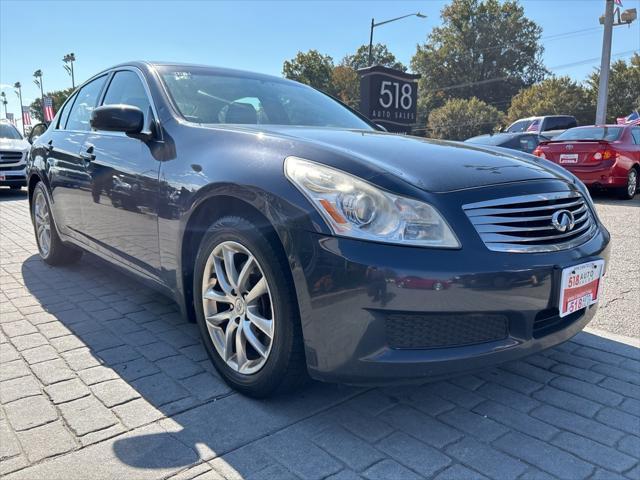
[36,131]
[118,118]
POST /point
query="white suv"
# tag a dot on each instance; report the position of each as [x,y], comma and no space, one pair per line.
[13,157]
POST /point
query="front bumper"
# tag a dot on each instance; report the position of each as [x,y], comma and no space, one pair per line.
[351,293]
[13,177]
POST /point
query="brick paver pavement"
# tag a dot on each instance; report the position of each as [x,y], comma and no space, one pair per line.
[101,378]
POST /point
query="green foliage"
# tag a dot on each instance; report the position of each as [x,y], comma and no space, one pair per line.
[459,119]
[553,96]
[311,68]
[380,56]
[59,97]
[624,88]
[485,48]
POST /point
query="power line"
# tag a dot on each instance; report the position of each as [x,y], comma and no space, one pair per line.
[499,79]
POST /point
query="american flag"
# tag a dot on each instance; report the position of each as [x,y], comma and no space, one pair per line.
[48,109]
[10,118]
[26,116]
[633,119]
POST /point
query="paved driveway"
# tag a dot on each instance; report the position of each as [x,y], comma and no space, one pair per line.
[101,378]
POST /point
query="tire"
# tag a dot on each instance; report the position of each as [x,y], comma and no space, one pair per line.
[276,363]
[50,247]
[628,192]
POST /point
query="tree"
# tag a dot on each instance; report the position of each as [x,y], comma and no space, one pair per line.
[484,48]
[311,68]
[59,97]
[553,96]
[459,119]
[346,85]
[380,55]
[624,88]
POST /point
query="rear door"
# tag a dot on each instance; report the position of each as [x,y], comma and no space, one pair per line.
[68,178]
[122,203]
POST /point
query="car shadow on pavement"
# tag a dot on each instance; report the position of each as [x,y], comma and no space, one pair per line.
[158,407]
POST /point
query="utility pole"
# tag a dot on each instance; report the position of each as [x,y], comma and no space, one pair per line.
[603,88]
[624,18]
[18,87]
[38,81]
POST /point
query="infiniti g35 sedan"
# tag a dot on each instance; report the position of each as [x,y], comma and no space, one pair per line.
[286,225]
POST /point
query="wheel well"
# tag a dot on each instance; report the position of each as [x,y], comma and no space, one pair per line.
[33,180]
[200,221]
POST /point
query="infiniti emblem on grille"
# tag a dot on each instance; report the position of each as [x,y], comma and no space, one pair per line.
[563,221]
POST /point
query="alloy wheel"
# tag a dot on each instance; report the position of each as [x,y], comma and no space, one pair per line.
[42,219]
[238,308]
[632,183]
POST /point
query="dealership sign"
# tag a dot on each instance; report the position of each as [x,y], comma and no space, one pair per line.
[389,97]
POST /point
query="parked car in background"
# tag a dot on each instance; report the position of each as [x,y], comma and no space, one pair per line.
[601,156]
[549,125]
[525,142]
[13,156]
[302,239]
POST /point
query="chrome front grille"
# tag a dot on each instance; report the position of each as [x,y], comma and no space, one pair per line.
[10,156]
[525,224]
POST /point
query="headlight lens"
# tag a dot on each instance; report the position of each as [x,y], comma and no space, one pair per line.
[355,208]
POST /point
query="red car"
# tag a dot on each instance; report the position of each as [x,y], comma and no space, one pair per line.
[601,156]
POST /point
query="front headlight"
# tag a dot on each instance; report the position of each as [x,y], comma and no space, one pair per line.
[355,208]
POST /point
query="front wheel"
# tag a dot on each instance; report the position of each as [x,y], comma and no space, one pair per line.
[628,192]
[50,247]
[246,309]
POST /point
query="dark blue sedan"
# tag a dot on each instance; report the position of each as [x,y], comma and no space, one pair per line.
[286,225]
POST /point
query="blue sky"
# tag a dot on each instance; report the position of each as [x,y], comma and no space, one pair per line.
[256,36]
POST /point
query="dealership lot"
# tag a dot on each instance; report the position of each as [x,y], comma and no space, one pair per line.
[101,378]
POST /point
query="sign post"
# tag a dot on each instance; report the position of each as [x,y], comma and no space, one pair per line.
[389,97]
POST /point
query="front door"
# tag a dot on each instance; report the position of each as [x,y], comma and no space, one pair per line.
[122,207]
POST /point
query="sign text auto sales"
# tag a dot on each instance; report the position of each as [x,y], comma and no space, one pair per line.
[388,97]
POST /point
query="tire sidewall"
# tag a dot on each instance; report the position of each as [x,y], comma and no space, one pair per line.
[242,231]
[40,189]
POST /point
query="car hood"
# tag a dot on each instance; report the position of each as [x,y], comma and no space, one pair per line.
[431,165]
[14,144]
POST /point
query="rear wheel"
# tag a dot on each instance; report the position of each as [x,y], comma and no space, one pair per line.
[246,309]
[50,247]
[630,190]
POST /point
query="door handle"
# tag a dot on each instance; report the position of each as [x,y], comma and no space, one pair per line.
[88,155]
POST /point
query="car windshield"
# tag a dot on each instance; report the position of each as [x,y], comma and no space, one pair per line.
[520,126]
[9,131]
[609,134]
[206,96]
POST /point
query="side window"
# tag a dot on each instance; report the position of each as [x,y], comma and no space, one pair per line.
[64,114]
[635,132]
[84,104]
[126,88]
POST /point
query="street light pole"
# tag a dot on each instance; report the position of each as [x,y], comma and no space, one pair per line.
[603,88]
[18,87]
[38,81]
[68,60]
[4,102]
[374,25]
